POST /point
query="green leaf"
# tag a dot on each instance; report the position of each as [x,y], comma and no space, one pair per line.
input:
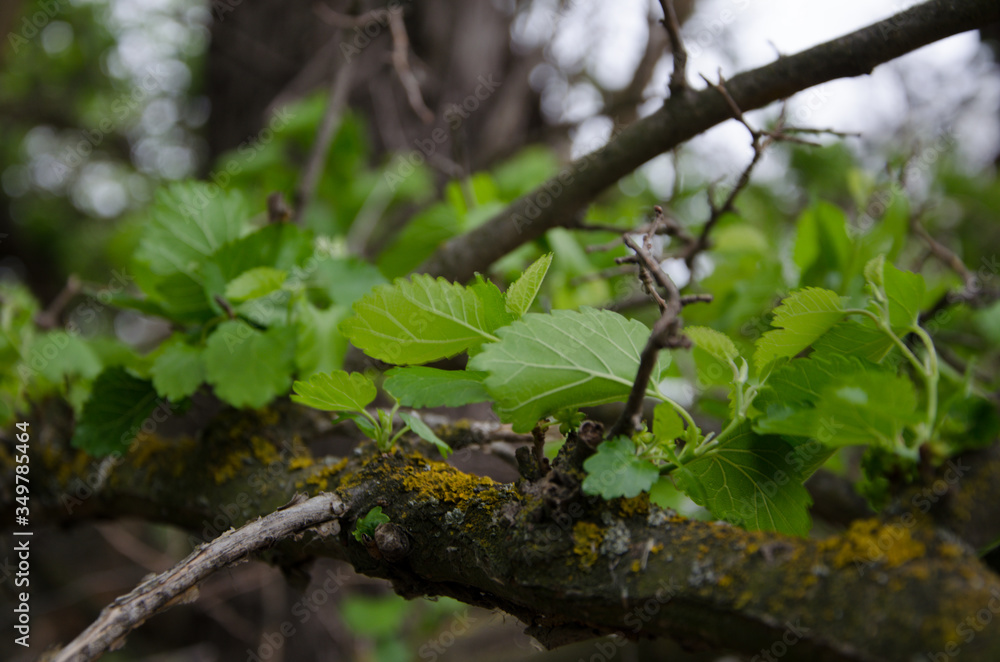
[336,391]
[347,279]
[838,401]
[715,343]
[367,524]
[493,304]
[523,291]
[423,431]
[379,618]
[822,248]
[905,291]
[279,246]
[189,222]
[667,423]
[614,470]
[423,387]
[184,299]
[855,336]
[254,283]
[320,347]
[113,415]
[247,367]
[568,359]
[417,320]
[178,369]
[802,318]
[712,352]
[58,354]
[750,481]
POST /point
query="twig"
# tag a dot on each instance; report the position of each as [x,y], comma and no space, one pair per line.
[401,62]
[666,334]
[48,319]
[678,77]
[336,101]
[277,208]
[175,585]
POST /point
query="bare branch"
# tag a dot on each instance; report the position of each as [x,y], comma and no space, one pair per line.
[678,77]
[556,201]
[340,87]
[177,585]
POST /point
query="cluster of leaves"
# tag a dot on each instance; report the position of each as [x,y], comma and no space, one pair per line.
[829,375]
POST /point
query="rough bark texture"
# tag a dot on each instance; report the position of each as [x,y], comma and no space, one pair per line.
[570,566]
[557,201]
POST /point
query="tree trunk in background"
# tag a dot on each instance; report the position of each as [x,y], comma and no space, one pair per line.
[271,50]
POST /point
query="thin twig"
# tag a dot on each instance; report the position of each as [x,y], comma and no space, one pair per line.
[666,334]
[401,62]
[336,101]
[678,77]
[48,319]
[175,585]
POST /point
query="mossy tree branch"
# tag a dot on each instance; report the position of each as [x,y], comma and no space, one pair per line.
[568,565]
[559,200]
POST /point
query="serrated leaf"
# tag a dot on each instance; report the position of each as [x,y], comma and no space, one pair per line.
[667,423]
[423,431]
[855,336]
[254,283]
[523,291]
[417,320]
[493,303]
[190,221]
[838,401]
[113,415]
[712,352]
[715,343]
[320,347]
[750,481]
[336,391]
[568,359]
[423,387]
[178,369]
[248,367]
[614,470]
[802,318]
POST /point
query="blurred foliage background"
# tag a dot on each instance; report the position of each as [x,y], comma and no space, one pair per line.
[104,101]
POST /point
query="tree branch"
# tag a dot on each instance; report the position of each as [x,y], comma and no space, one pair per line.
[178,585]
[569,565]
[558,200]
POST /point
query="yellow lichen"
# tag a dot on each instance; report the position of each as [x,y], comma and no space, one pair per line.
[869,541]
[635,506]
[301,462]
[587,539]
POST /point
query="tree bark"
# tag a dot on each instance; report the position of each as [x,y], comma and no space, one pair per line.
[568,565]
[559,200]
